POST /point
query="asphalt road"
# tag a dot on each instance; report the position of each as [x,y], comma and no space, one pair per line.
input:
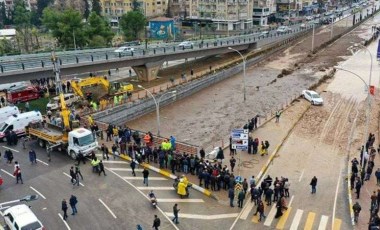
[123,194]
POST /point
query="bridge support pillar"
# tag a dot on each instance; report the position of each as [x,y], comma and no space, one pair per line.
[147,72]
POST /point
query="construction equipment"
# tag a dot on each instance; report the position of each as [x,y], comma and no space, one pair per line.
[110,88]
[66,135]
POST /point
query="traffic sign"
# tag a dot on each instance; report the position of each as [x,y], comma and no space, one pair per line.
[239,139]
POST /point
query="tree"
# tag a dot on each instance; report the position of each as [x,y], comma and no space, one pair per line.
[3,14]
[86,9]
[22,20]
[132,24]
[98,27]
[41,5]
[5,46]
[96,7]
[66,26]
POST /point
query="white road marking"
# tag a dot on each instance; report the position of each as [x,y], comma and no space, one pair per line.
[43,162]
[296,220]
[144,195]
[303,171]
[291,201]
[125,169]
[270,217]
[156,188]
[323,223]
[114,216]
[203,217]
[180,200]
[335,199]
[117,162]
[11,149]
[70,178]
[67,226]
[40,194]
[44,208]
[10,174]
[141,178]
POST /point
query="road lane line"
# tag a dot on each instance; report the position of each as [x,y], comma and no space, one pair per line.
[43,162]
[125,169]
[10,174]
[270,216]
[144,195]
[11,149]
[291,201]
[116,162]
[70,178]
[296,220]
[156,188]
[309,221]
[40,194]
[67,225]
[203,217]
[336,197]
[281,223]
[114,216]
[180,200]
[323,222]
[303,171]
[141,178]
[337,224]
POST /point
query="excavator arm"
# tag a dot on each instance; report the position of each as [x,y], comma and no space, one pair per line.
[78,85]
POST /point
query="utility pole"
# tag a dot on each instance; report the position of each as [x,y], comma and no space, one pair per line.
[75,45]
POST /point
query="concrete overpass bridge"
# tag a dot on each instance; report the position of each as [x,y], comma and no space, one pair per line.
[145,62]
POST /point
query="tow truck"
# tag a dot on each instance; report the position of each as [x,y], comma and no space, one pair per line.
[69,136]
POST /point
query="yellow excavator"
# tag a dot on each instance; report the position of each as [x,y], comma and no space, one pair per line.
[111,88]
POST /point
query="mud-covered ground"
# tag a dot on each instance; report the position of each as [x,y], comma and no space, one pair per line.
[208,116]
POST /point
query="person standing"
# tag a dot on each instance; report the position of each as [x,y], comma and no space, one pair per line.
[241,196]
[231,195]
[64,209]
[77,172]
[80,158]
[260,210]
[278,114]
[313,184]
[232,163]
[27,106]
[32,156]
[377,174]
[101,168]
[358,186]
[17,174]
[145,175]
[220,155]
[73,202]
[73,175]
[175,213]
[156,222]
[133,166]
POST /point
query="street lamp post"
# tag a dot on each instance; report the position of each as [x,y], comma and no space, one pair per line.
[157,103]
[312,39]
[368,108]
[244,61]
[26,199]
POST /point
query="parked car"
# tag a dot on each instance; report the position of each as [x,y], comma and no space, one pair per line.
[21,217]
[309,18]
[283,29]
[303,26]
[264,34]
[24,94]
[312,96]
[186,45]
[125,50]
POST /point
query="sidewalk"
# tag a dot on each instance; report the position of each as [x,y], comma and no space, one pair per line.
[247,165]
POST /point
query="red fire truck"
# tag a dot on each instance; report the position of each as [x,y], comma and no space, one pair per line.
[24,94]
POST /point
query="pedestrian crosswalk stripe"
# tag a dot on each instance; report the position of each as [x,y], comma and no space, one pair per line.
[155,188]
[125,169]
[203,217]
[116,162]
[270,216]
[323,222]
[309,221]
[296,220]
[247,210]
[283,219]
[141,178]
[337,224]
[180,200]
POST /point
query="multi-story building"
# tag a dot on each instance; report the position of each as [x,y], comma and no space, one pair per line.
[114,9]
[262,9]
[30,4]
[179,8]
[67,4]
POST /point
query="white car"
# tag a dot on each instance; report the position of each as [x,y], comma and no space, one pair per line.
[303,26]
[283,29]
[186,45]
[312,96]
[264,34]
[54,104]
[21,217]
[125,50]
[309,18]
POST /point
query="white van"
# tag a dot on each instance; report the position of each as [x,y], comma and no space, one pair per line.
[8,111]
[18,123]
[20,217]
[54,104]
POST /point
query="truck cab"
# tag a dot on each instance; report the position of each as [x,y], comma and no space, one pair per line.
[82,140]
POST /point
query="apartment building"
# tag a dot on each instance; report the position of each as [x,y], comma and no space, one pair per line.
[114,9]
[262,9]
[30,4]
